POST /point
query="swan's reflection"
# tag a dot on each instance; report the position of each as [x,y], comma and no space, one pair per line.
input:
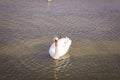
[56,69]
[59,65]
[49,2]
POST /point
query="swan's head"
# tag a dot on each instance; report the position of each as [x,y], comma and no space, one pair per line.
[55,39]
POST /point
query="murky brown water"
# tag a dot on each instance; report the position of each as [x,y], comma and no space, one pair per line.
[27,29]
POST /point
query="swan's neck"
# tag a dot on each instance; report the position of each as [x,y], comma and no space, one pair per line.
[56,49]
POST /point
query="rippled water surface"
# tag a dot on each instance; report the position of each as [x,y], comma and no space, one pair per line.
[27,28]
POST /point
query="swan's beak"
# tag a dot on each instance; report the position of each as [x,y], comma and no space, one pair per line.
[56,43]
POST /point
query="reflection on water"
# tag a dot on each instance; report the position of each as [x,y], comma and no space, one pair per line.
[60,65]
[49,2]
[56,70]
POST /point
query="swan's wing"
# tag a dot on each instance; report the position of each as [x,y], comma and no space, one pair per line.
[64,45]
[63,42]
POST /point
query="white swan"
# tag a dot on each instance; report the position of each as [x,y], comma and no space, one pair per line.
[59,47]
[49,0]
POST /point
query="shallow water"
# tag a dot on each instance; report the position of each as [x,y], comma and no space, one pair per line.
[27,29]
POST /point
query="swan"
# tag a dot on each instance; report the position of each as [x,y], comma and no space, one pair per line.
[49,0]
[60,47]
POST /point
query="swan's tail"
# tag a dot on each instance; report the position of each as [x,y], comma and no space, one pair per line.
[68,40]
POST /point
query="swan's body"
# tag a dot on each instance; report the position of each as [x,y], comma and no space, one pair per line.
[61,49]
[49,0]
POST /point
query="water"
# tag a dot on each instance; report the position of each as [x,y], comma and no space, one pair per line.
[27,29]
